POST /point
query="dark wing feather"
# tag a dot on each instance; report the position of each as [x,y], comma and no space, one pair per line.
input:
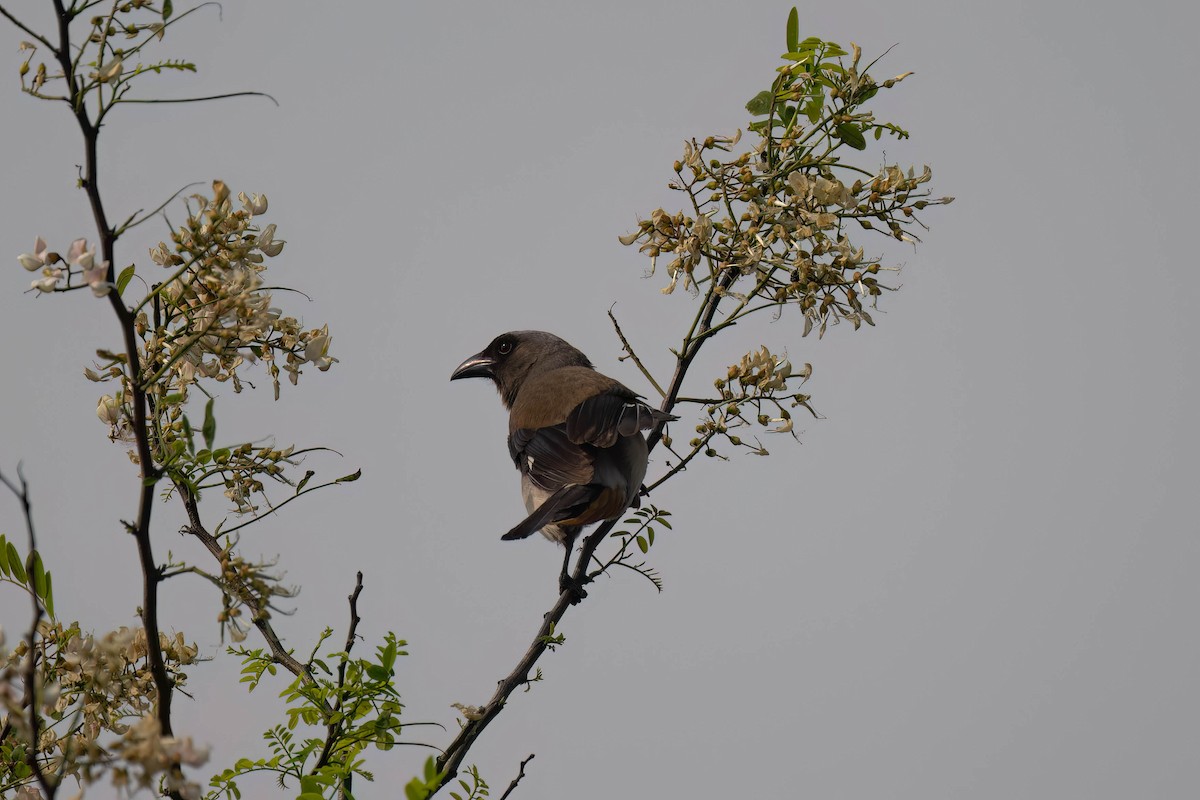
[603,418]
[550,458]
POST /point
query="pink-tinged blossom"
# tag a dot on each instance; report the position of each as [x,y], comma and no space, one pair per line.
[94,276]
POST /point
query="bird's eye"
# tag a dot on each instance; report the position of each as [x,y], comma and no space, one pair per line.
[504,348]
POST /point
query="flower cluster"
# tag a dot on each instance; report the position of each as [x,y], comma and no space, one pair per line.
[207,319]
[78,269]
[96,700]
[758,390]
[771,227]
[215,312]
[247,584]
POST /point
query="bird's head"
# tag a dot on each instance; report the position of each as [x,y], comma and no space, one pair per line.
[512,357]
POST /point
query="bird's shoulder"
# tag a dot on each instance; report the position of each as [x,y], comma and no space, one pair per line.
[547,399]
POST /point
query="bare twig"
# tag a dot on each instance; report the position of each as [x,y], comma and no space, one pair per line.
[516,780]
[134,220]
[334,729]
[629,349]
[30,701]
[226,96]
[26,28]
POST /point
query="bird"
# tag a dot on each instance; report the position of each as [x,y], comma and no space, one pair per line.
[574,434]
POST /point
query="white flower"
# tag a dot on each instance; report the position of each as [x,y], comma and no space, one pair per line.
[267,242]
[37,259]
[470,712]
[94,275]
[317,350]
[785,425]
[255,204]
[184,751]
[109,409]
[107,73]
[49,282]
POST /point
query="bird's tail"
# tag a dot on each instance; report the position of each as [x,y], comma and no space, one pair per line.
[557,506]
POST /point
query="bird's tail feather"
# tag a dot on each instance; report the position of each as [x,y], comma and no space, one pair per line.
[547,513]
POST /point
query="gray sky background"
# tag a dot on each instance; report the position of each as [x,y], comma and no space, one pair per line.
[974,578]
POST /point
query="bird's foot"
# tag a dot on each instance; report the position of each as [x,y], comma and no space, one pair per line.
[567,583]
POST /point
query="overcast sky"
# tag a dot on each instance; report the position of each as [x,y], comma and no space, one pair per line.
[974,578]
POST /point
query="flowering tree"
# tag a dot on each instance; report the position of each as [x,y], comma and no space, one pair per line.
[765,225]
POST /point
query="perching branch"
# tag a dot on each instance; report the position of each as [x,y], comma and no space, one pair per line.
[454,754]
[452,758]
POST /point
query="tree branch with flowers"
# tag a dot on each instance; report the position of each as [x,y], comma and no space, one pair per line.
[767,224]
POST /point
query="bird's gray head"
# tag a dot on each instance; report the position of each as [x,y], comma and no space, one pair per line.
[512,357]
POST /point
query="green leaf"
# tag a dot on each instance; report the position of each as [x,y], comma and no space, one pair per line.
[210,424]
[168,10]
[34,567]
[641,543]
[48,597]
[814,107]
[793,30]
[761,103]
[187,433]
[350,478]
[124,278]
[15,565]
[388,657]
[849,133]
[4,556]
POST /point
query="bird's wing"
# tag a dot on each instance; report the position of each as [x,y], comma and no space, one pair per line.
[602,418]
[550,458]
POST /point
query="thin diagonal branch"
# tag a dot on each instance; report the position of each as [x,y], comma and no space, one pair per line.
[629,349]
[5,13]
[452,758]
[516,780]
[279,653]
[134,221]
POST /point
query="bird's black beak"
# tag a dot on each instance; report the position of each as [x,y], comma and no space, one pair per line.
[477,366]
